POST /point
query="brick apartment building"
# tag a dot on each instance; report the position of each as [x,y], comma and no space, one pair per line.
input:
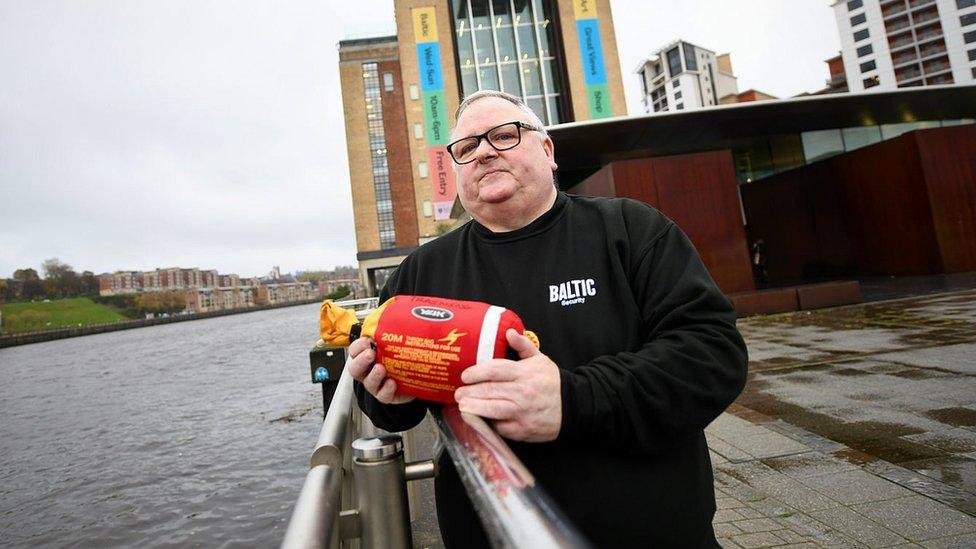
[207,290]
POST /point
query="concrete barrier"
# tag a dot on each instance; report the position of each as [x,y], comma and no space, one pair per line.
[779,300]
[829,294]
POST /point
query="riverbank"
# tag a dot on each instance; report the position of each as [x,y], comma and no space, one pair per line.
[25,338]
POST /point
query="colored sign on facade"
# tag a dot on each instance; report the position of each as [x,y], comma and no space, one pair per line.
[591,54]
[435,111]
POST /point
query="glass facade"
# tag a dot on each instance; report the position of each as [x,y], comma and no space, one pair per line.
[757,158]
[690,62]
[377,153]
[674,62]
[507,45]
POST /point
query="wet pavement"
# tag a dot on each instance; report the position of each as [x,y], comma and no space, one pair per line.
[857,428]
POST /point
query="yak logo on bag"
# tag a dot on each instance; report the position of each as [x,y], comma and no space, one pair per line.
[432,313]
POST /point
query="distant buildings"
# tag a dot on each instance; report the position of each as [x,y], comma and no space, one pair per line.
[682,76]
[889,44]
[207,290]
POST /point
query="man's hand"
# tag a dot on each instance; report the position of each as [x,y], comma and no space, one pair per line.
[522,397]
[362,367]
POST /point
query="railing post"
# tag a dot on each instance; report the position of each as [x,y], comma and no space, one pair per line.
[381,492]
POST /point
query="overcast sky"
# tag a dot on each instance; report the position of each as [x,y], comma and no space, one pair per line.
[142,134]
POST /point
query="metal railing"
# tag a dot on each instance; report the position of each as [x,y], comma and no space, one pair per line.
[359,497]
[513,509]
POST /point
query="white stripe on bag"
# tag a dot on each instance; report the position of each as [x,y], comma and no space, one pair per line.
[489,332]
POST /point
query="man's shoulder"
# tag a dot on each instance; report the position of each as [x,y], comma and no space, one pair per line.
[632,213]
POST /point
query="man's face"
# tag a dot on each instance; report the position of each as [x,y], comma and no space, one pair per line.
[519,178]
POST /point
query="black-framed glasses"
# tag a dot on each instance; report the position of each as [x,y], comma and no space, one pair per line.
[502,137]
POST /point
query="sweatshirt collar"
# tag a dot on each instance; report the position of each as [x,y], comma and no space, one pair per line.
[539,225]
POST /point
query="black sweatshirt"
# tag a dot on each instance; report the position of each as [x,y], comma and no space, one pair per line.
[648,355]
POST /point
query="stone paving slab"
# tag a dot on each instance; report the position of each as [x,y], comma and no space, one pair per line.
[816,499]
[918,518]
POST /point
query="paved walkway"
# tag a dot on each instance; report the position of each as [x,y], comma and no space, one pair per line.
[857,429]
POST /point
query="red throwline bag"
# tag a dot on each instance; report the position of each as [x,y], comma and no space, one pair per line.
[426,342]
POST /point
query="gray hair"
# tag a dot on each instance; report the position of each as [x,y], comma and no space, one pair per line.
[533,118]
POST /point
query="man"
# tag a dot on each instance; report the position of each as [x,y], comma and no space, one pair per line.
[639,350]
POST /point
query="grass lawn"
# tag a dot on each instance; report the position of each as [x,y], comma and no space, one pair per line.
[58,313]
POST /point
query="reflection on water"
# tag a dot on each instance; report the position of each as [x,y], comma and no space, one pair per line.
[159,436]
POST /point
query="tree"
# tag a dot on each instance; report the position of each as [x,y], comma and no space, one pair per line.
[339,293]
[89,283]
[31,283]
[313,276]
[60,280]
[25,275]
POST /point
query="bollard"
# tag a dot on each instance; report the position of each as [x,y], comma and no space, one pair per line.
[381,492]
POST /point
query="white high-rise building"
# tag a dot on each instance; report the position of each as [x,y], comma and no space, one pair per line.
[682,76]
[901,43]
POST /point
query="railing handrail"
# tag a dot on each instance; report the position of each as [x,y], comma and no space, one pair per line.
[513,509]
[316,513]
[358,305]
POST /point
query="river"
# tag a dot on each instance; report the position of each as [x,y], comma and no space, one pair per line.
[188,434]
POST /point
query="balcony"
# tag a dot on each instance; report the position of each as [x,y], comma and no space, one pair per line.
[900,61]
[896,25]
[902,41]
[938,48]
[893,9]
[925,17]
[937,66]
[919,3]
[908,74]
[940,79]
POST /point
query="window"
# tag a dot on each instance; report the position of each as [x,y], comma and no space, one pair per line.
[965,3]
[507,46]
[970,37]
[422,169]
[868,66]
[414,92]
[418,130]
[676,83]
[377,149]
[690,62]
[968,19]
[974,72]
[854,4]
[677,95]
[972,55]
[674,61]
[861,35]
[679,106]
[858,19]
[871,82]
[388,81]
[864,50]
